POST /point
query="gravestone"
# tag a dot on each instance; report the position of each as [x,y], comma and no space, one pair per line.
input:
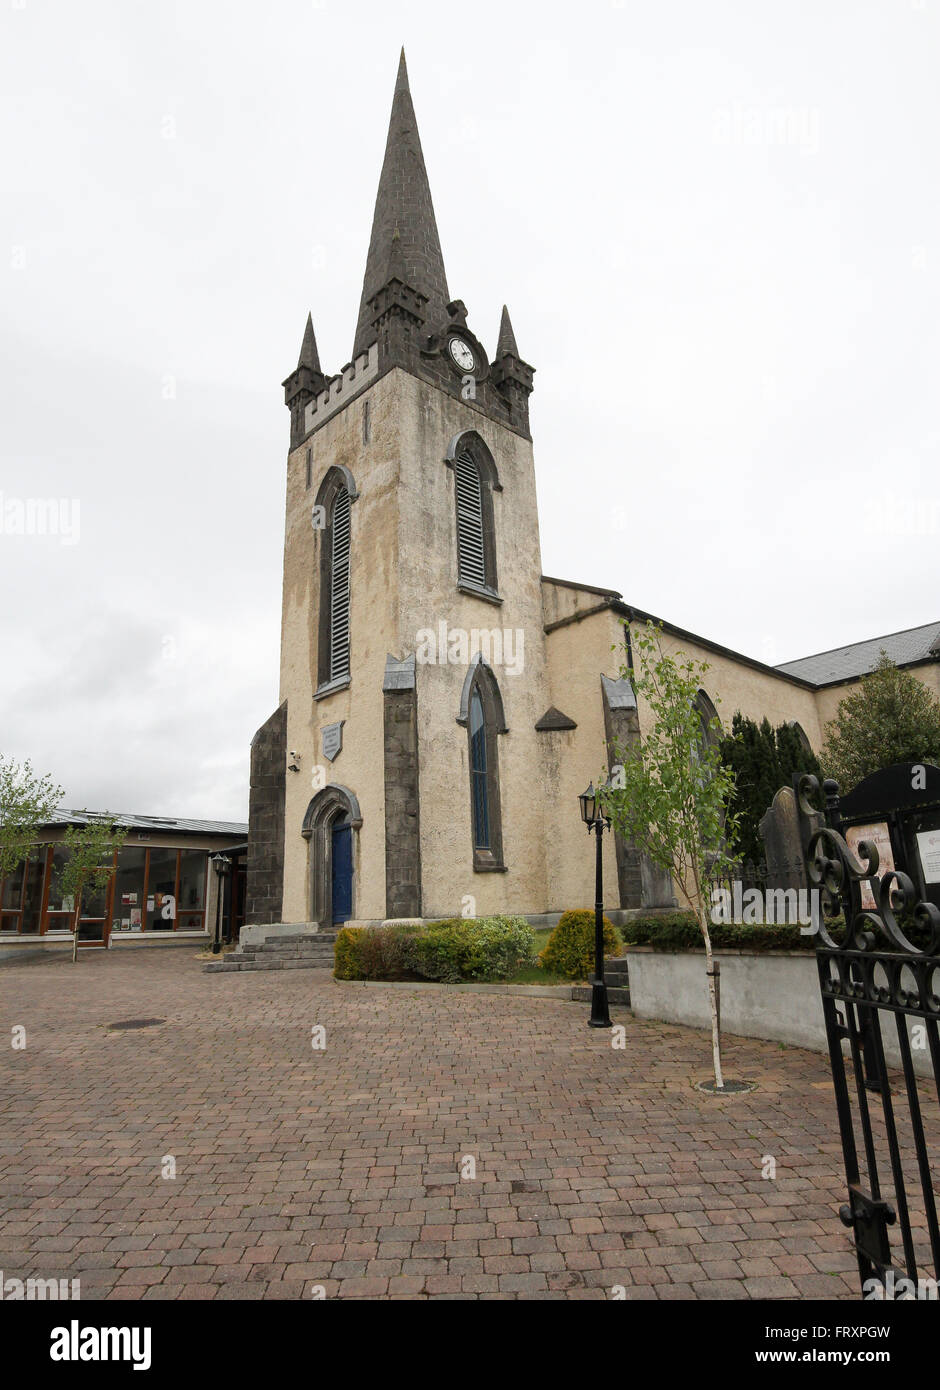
[784,844]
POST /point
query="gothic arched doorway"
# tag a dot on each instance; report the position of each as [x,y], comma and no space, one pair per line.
[329,825]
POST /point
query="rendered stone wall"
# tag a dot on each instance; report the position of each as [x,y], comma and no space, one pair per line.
[733,685]
[427,594]
[578,655]
[372,456]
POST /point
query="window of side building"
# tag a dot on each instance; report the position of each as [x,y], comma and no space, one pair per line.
[154,889]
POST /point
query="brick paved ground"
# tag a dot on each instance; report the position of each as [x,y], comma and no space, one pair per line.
[296,1167]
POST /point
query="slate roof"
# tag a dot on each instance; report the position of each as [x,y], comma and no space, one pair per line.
[857,659]
[159,824]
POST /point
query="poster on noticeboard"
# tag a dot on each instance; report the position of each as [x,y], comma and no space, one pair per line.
[879,834]
[928,847]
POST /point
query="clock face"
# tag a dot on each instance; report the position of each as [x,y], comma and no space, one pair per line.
[461,354]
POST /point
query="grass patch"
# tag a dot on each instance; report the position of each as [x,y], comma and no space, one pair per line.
[208,954]
[533,973]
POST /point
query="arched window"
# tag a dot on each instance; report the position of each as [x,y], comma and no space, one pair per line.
[479,798]
[475,480]
[801,736]
[710,736]
[708,716]
[481,713]
[332,516]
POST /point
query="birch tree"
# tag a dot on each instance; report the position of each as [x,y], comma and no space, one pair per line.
[671,792]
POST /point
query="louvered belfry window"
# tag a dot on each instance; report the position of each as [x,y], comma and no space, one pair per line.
[471,557]
[339,588]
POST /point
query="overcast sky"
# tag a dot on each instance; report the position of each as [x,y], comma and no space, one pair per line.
[717,228]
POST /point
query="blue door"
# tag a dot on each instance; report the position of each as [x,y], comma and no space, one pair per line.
[342,873]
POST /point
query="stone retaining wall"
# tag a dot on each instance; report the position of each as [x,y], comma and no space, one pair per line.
[764,994]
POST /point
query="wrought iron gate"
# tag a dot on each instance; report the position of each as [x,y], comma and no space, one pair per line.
[878,956]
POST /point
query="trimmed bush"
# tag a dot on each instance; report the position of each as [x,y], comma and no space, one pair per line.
[386,953]
[679,931]
[570,948]
[474,948]
[460,948]
[346,954]
[374,953]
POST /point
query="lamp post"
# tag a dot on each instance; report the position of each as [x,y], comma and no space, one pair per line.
[221,865]
[595,820]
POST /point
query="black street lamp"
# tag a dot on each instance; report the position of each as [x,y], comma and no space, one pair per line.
[221,865]
[595,820]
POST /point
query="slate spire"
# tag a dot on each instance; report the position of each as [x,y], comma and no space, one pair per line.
[507,339]
[309,357]
[304,382]
[512,378]
[403,207]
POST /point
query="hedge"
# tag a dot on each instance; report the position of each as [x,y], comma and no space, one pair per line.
[459,948]
[680,931]
[569,950]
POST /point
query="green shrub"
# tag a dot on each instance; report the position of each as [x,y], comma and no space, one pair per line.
[680,931]
[442,949]
[501,945]
[346,954]
[570,948]
[459,948]
[386,953]
[473,948]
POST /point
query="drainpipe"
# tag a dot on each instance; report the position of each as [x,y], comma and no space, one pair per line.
[628,644]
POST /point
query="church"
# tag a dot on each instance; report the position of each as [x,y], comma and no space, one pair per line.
[442,702]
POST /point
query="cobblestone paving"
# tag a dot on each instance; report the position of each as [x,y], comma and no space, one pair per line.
[341,1168]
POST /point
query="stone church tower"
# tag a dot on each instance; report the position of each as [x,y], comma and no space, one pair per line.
[398,776]
[443,702]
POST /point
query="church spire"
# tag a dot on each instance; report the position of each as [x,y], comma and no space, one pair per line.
[511,376]
[404,241]
[507,339]
[304,382]
[309,357]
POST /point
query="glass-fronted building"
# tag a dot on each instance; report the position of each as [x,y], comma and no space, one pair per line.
[163,890]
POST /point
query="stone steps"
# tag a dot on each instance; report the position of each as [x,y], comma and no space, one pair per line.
[615,994]
[617,978]
[311,951]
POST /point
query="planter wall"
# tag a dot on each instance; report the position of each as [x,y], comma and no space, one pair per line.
[768,994]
